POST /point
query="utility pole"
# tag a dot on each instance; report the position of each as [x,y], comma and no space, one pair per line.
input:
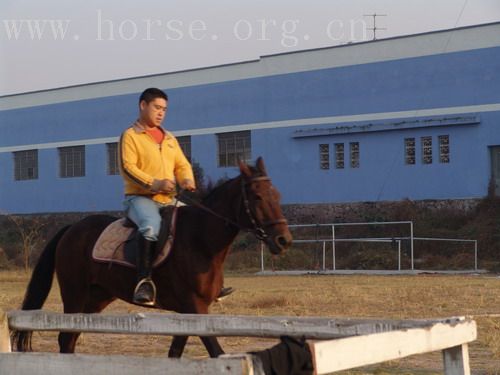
[375,28]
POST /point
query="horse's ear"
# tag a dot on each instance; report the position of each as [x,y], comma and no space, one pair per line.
[244,169]
[260,165]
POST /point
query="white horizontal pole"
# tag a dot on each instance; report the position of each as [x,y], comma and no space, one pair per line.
[210,325]
[442,239]
[348,224]
[83,364]
[348,353]
[347,240]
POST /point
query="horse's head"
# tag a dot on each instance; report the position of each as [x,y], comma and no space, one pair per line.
[262,208]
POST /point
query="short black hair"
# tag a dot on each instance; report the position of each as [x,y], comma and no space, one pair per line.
[151,94]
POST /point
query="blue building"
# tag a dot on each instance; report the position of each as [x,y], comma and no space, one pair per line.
[413,117]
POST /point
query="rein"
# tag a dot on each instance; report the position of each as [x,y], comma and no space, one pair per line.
[258,231]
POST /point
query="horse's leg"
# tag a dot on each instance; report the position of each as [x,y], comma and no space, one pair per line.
[179,342]
[177,346]
[212,345]
[67,340]
[97,299]
[73,302]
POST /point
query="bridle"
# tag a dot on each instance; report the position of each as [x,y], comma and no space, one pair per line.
[257,229]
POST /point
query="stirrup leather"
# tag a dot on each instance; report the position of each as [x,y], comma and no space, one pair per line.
[145,280]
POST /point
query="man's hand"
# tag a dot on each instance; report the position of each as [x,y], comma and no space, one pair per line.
[167,186]
[188,185]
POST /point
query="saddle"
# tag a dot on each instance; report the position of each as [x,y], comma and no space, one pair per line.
[118,243]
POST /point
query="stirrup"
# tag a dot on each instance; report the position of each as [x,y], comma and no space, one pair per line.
[143,301]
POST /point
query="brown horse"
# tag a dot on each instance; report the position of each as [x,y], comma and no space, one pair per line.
[191,277]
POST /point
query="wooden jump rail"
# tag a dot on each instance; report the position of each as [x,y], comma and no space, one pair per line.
[347,343]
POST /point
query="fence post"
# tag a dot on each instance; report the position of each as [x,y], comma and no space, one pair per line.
[399,255]
[324,255]
[456,360]
[475,255]
[411,246]
[262,256]
[334,267]
[4,333]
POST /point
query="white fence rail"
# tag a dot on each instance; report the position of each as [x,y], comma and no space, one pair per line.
[349,343]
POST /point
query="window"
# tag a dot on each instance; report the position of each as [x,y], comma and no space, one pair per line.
[233,147]
[410,151]
[185,143]
[444,148]
[72,161]
[26,165]
[426,150]
[339,155]
[112,152]
[354,152]
[324,156]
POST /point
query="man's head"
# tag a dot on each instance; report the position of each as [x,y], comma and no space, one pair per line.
[153,105]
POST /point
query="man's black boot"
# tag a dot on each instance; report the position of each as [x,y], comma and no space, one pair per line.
[145,291]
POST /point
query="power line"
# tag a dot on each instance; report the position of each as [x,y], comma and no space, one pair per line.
[375,28]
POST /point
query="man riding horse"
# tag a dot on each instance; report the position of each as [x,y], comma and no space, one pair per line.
[151,161]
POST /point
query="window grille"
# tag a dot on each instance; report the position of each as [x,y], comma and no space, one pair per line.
[112,165]
[354,152]
[232,147]
[409,151]
[324,156]
[339,155]
[426,150]
[26,165]
[72,161]
[185,144]
[444,148]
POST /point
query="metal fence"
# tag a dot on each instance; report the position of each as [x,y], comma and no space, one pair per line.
[333,240]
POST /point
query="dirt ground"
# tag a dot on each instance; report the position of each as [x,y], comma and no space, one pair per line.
[398,297]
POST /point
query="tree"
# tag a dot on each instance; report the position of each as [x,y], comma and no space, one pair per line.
[30,231]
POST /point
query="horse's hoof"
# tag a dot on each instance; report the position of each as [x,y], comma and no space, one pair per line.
[224,292]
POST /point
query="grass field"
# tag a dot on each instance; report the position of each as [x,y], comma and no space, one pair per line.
[423,296]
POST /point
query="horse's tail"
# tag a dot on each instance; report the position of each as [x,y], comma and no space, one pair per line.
[38,289]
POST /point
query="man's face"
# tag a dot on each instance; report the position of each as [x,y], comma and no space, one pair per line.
[153,113]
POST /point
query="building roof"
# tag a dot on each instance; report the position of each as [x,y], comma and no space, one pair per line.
[400,47]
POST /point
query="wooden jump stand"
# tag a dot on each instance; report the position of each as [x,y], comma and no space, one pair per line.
[335,344]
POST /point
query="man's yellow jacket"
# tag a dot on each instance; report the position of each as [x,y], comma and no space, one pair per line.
[144,163]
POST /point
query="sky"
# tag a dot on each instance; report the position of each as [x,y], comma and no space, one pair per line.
[46,44]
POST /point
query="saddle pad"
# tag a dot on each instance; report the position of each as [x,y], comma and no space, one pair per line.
[110,245]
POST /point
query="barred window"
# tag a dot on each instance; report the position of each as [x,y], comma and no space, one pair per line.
[426,150]
[324,156]
[410,151]
[232,147]
[354,152]
[444,148]
[72,161]
[339,155]
[26,165]
[185,143]
[112,152]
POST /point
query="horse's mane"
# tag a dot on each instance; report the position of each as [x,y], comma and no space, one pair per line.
[212,193]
